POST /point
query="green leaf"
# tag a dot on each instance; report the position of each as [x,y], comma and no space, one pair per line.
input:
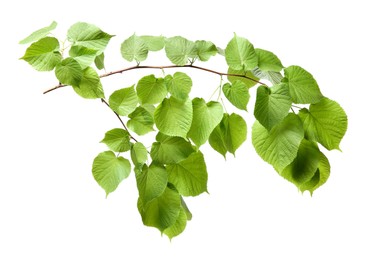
[179,50]
[151,90]
[154,43]
[109,170]
[44,54]
[151,182]
[206,116]
[279,146]
[139,154]
[272,76]
[69,72]
[123,101]
[118,140]
[272,105]
[99,61]
[39,34]
[189,216]
[173,117]
[90,86]
[325,122]
[267,61]
[134,48]
[169,149]
[302,86]
[205,50]
[229,134]
[237,94]
[141,121]
[84,56]
[190,175]
[161,212]
[179,85]
[178,227]
[89,36]
[249,82]
[240,54]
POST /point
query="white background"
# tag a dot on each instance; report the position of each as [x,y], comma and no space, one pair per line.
[50,205]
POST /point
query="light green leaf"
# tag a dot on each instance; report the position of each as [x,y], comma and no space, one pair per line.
[189,216]
[123,101]
[89,36]
[69,72]
[267,61]
[39,34]
[240,54]
[134,48]
[151,182]
[99,61]
[302,86]
[190,175]
[178,227]
[179,85]
[249,82]
[139,154]
[141,121]
[325,122]
[272,76]
[229,134]
[84,56]
[237,94]
[279,146]
[173,117]
[206,116]
[90,86]
[169,149]
[205,50]
[179,50]
[118,140]
[272,105]
[151,90]
[221,51]
[154,43]
[161,212]
[109,170]
[44,54]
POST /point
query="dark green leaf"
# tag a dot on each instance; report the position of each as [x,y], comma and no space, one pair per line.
[118,140]
[90,86]
[123,101]
[69,72]
[240,54]
[178,227]
[39,34]
[179,50]
[134,48]
[237,94]
[151,90]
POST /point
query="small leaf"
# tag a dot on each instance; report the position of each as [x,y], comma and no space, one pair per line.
[151,90]
[139,154]
[179,85]
[189,216]
[90,86]
[118,140]
[134,48]
[179,50]
[109,170]
[39,34]
[69,72]
[141,121]
[325,122]
[205,50]
[99,61]
[123,101]
[237,94]
[154,43]
[267,61]
[44,54]
[178,227]
[272,105]
[240,54]
[302,86]
[190,175]
[249,82]
[84,56]
[272,76]
[206,116]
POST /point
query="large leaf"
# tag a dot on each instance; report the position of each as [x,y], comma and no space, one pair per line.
[179,50]
[179,85]
[205,49]
[134,48]
[117,139]
[178,227]
[141,121]
[249,82]
[109,170]
[267,61]
[89,36]
[39,34]
[44,54]
[151,90]
[84,56]
[206,116]
[154,43]
[229,135]
[237,94]
[279,146]
[272,105]
[123,101]
[240,54]
[190,175]
[173,117]
[90,86]
[325,122]
[139,154]
[302,86]
[69,72]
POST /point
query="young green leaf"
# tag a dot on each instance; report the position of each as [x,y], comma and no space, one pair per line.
[99,61]
[84,56]
[118,140]
[206,116]
[123,101]
[249,82]
[141,121]
[109,170]
[267,61]
[178,227]
[138,153]
[237,94]
[179,50]
[240,54]
[44,54]
[151,90]
[179,86]
[39,34]
[69,72]
[325,122]
[272,76]
[90,86]
[205,50]
[154,43]
[134,48]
